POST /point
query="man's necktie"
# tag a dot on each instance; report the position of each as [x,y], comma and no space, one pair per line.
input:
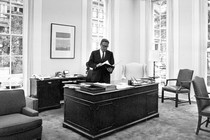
[103,56]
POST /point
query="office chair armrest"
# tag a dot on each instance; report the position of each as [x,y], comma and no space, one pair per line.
[167,80]
[29,112]
[202,98]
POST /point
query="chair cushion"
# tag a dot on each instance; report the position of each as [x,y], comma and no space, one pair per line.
[11,101]
[175,88]
[206,111]
[17,123]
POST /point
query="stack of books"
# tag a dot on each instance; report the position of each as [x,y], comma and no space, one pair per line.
[106,86]
[92,89]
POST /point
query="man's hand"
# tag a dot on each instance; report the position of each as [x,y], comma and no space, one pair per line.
[99,65]
[109,69]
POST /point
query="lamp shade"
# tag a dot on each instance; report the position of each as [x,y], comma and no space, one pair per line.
[154,56]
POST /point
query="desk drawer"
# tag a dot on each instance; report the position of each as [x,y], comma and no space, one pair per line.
[48,82]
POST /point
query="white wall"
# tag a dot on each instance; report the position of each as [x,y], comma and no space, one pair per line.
[187,45]
[126,34]
[67,12]
[185,41]
[185,34]
[62,12]
[129,35]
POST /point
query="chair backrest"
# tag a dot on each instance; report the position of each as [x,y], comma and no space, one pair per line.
[11,101]
[200,91]
[184,75]
[89,72]
[134,69]
[89,75]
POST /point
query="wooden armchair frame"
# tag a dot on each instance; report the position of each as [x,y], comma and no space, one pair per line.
[183,83]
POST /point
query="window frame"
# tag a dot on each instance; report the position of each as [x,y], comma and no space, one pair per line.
[95,43]
[161,67]
[12,80]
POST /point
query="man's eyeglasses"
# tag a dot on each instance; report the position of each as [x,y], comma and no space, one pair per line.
[105,46]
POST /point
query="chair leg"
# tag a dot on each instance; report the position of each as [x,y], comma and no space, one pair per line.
[162,98]
[207,122]
[199,124]
[189,98]
[176,102]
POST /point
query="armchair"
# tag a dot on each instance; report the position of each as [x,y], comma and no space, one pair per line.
[183,83]
[133,70]
[203,102]
[18,122]
[89,72]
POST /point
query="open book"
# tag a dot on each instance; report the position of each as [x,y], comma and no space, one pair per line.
[107,64]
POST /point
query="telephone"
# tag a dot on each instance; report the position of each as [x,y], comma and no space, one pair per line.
[59,74]
[38,77]
[65,73]
[62,74]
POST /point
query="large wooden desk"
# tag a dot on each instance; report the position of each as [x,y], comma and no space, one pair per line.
[97,114]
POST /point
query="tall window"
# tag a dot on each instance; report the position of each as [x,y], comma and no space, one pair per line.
[98,22]
[11,43]
[160,36]
[208,46]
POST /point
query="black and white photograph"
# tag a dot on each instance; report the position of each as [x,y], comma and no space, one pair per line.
[104,69]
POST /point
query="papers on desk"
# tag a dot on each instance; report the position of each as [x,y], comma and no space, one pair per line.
[123,86]
[98,87]
[112,86]
[72,86]
[40,77]
[140,82]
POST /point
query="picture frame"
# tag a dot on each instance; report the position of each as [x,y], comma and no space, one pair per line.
[62,41]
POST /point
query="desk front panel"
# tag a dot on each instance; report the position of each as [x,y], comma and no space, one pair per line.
[95,115]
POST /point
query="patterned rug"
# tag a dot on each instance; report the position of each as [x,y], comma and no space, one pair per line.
[172,124]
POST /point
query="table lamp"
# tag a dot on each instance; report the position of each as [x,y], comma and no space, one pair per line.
[154,58]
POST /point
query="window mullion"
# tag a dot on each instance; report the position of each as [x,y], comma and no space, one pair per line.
[10,54]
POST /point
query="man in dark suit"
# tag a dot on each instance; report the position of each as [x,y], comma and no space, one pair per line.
[101,73]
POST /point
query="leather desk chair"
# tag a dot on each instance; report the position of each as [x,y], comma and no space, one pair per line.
[203,102]
[89,72]
[18,122]
[183,83]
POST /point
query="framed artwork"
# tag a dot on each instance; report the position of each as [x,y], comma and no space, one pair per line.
[62,42]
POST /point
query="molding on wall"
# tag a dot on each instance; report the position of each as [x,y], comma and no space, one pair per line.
[115,37]
[196,35]
[203,16]
[176,41]
[84,34]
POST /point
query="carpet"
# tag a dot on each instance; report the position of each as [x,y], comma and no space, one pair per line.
[172,124]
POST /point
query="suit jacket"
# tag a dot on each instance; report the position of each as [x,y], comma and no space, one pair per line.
[100,74]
